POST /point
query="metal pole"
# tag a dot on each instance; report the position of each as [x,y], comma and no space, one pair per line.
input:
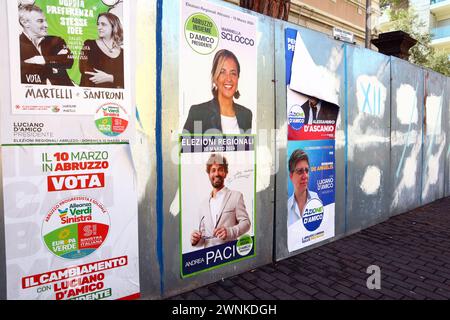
[368,22]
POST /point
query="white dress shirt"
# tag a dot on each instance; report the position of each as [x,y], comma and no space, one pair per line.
[294,213]
[229,125]
[215,203]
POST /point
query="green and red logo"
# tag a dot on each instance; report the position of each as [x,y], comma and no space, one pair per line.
[75,227]
[111,119]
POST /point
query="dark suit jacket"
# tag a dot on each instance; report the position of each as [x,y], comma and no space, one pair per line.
[56,65]
[208,114]
[328,111]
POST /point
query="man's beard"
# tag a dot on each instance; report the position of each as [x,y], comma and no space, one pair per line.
[217,182]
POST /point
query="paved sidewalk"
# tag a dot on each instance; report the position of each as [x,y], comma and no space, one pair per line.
[412,250]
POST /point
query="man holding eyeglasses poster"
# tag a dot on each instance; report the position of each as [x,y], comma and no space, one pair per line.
[223,216]
[217,201]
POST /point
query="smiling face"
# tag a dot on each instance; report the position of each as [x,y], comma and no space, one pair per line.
[227,79]
[217,174]
[300,176]
[104,28]
[35,24]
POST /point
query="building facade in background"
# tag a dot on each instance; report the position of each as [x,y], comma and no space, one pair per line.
[324,15]
[439,17]
[435,18]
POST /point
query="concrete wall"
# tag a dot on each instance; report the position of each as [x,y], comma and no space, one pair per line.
[434,136]
[368,138]
[392,150]
[406,136]
[447,150]
[143,150]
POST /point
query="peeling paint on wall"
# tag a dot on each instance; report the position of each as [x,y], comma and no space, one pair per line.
[175,205]
[434,137]
[434,114]
[371,181]
[363,137]
[432,170]
[409,177]
[407,96]
[407,83]
[264,161]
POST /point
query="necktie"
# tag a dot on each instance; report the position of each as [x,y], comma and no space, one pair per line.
[314,110]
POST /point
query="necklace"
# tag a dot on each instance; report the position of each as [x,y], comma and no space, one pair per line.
[109,49]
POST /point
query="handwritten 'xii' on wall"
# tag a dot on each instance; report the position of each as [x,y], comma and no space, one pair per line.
[371,96]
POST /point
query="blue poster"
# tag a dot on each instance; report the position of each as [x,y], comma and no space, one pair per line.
[311,119]
[290,38]
[311,192]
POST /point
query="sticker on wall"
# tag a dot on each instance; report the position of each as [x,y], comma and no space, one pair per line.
[111,119]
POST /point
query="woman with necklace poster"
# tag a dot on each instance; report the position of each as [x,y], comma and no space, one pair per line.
[101,60]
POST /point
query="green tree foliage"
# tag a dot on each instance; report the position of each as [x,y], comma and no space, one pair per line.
[407,20]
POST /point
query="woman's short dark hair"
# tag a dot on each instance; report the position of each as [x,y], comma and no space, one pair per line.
[217,159]
[218,62]
[117,30]
[296,156]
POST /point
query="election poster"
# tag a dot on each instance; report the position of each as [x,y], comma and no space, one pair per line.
[70,223]
[217,122]
[311,192]
[218,69]
[70,60]
[217,200]
[312,109]
[312,112]
[310,118]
